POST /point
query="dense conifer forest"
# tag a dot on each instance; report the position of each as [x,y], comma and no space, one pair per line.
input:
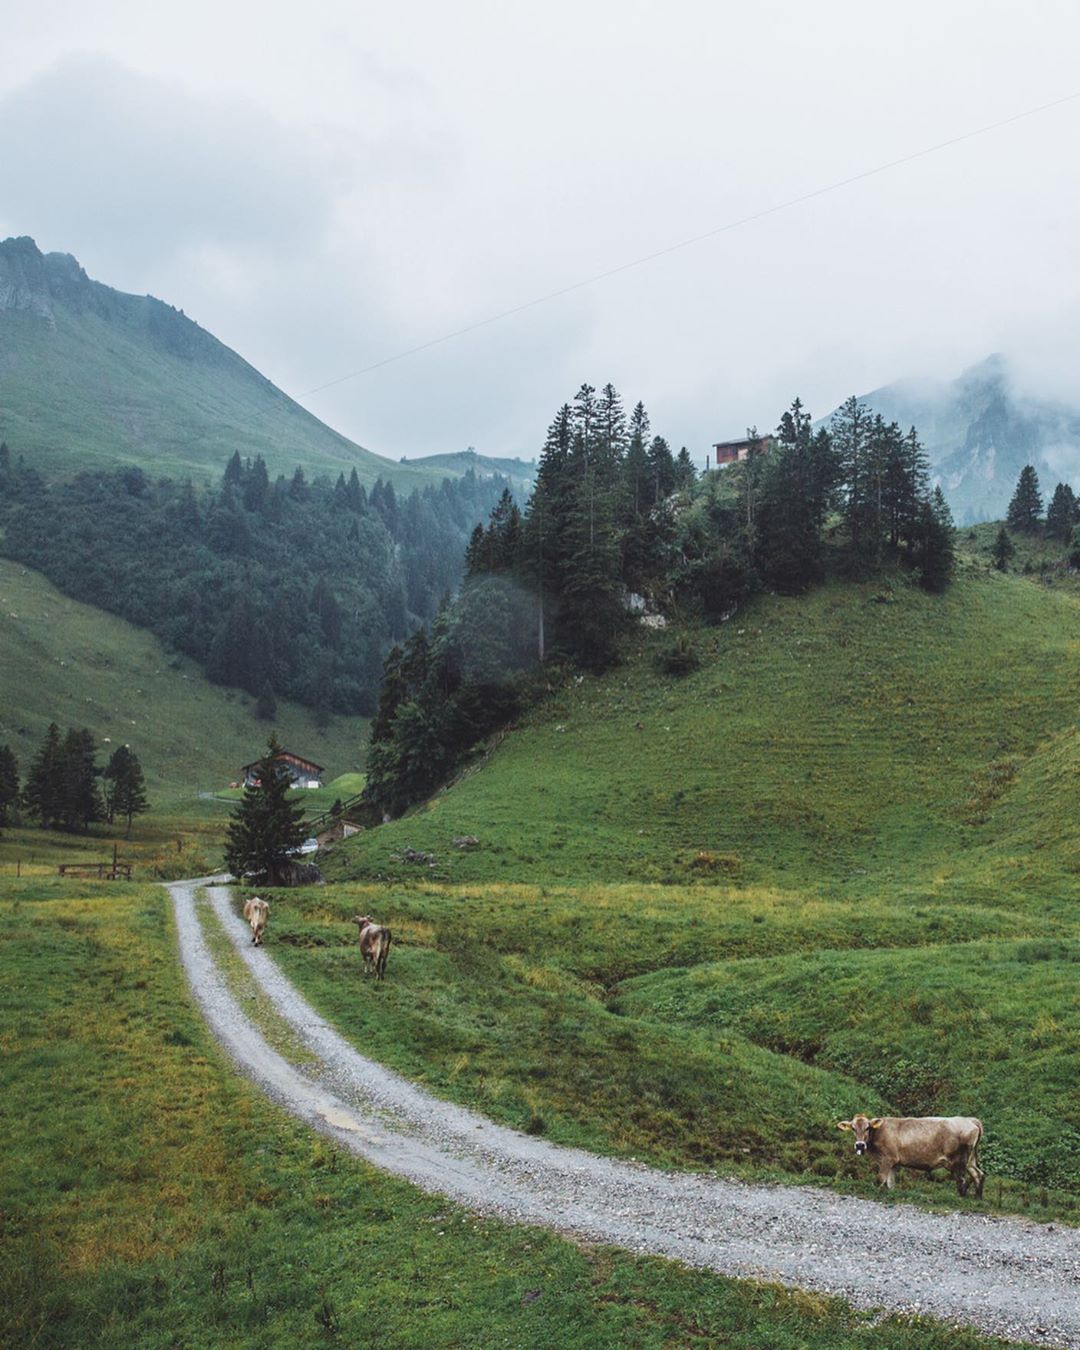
[282,588]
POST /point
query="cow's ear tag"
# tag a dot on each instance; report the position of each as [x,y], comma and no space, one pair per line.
[844,1125]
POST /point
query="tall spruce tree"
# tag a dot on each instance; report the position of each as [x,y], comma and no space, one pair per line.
[80,799]
[1025,509]
[544,546]
[851,430]
[44,791]
[787,543]
[266,827]
[125,787]
[935,552]
[1061,513]
[685,471]
[9,782]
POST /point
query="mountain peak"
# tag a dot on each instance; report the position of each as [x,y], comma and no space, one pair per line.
[979,433]
[32,281]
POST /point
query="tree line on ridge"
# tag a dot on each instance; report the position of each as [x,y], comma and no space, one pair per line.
[617,523]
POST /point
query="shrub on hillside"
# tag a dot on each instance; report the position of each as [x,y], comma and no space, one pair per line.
[679,657]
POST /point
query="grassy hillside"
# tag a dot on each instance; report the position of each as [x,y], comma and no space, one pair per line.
[823,740]
[835,869]
[72,664]
[153,1198]
[91,376]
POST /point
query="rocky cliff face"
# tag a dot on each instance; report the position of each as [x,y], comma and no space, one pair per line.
[980,431]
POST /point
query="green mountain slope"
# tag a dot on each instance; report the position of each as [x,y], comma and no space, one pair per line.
[73,664]
[92,376]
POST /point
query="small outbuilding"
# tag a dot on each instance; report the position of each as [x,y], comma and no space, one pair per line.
[303,773]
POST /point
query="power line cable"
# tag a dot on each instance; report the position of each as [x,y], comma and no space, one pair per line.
[698,239]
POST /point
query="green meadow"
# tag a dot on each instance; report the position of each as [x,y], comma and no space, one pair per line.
[149,1196]
[833,870]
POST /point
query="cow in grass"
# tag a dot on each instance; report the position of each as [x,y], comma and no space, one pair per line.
[922,1143]
[374,944]
[256,912]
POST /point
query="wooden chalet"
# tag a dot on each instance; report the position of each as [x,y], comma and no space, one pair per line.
[303,772]
[732,452]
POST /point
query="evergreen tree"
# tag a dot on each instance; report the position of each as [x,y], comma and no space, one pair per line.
[544,526]
[234,471]
[685,472]
[392,693]
[935,553]
[266,827]
[636,466]
[662,475]
[851,429]
[787,539]
[1061,513]
[1003,550]
[125,787]
[9,782]
[44,789]
[298,488]
[1025,509]
[476,552]
[80,794]
[256,487]
[904,483]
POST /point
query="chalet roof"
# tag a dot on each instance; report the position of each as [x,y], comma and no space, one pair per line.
[740,441]
[292,758]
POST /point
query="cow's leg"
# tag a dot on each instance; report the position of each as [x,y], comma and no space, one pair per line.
[977,1175]
[887,1175]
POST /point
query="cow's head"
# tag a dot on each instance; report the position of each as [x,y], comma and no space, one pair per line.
[362,920]
[863,1128]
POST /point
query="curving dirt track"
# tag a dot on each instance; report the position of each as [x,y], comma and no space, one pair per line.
[1006,1276]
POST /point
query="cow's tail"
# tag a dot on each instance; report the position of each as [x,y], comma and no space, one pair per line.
[977,1144]
[382,953]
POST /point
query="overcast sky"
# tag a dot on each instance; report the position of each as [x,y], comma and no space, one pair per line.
[322,186]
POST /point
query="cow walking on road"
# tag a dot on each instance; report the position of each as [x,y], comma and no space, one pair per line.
[374,945]
[922,1143]
[256,912]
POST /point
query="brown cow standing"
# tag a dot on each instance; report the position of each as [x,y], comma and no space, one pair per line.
[922,1143]
[374,944]
[257,912]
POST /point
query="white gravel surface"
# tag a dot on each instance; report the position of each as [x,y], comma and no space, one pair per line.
[1007,1276]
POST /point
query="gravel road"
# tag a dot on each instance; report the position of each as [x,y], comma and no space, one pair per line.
[1007,1276]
